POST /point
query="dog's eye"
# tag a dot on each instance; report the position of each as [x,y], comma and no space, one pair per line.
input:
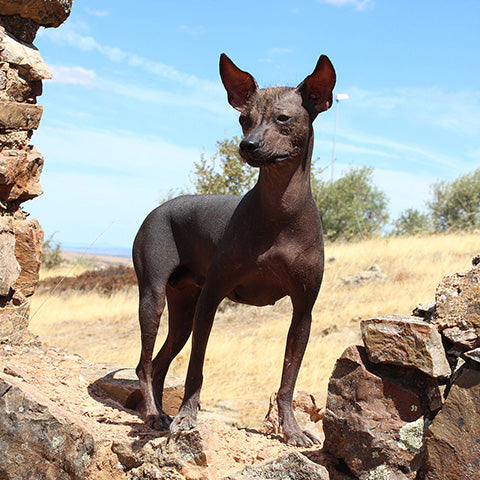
[244,120]
[283,118]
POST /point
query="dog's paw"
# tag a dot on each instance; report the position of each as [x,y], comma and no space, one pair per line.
[182,422]
[160,422]
[301,438]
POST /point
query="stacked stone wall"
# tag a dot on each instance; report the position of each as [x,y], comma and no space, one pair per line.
[22,71]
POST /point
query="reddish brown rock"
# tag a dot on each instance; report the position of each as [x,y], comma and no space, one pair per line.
[372,422]
[458,301]
[47,13]
[406,341]
[28,251]
[20,174]
[19,116]
[452,447]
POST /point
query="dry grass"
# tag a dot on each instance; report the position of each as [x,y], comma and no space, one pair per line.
[245,352]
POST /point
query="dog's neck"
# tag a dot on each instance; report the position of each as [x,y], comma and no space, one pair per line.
[283,189]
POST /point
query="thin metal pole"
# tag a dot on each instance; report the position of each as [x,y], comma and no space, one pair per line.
[334,138]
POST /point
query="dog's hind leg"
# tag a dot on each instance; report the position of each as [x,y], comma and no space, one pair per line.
[151,306]
[181,309]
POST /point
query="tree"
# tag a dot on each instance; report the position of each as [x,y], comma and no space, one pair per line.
[412,222]
[456,204]
[225,172]
[351,207]
[52,254]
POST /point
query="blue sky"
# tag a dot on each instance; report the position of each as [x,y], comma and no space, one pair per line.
[136,98]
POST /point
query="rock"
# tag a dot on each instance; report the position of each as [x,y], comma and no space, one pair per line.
[47,13]
[147,471]
[19,116]
[458,301]
[424,310]
[372,421]
[23,56]
[307,413]
[452,447]
[461,340]
[24,29]
[20,174]
[14,88]
[14,140]
[473,355]
[9,267]
[36,439]
[372,274]
[14,322]
[28,250]
[406,341]
[292,466]
[186,447]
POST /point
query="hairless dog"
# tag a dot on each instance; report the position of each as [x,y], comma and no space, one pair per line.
[196,250]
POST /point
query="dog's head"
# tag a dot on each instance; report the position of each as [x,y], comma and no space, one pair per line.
[276,121]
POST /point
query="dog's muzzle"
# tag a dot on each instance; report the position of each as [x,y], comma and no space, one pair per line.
[252,152]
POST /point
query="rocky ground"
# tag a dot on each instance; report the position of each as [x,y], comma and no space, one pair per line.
[403,405]
[90,398]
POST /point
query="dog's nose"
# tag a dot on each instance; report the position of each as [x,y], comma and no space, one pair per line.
[249,146]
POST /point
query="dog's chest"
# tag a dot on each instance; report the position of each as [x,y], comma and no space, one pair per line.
[265,281]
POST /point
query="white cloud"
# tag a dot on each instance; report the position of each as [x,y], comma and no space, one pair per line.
[281,51]
[213,101]
[420,154]
[457,110]
[97,13]
[121,152]
[194,31]
[359,5]
[71,37]
[72,75]
[92,178]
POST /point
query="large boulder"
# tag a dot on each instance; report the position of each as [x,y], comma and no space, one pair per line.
[375,417]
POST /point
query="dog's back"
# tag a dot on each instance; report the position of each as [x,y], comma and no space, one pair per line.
[180,236]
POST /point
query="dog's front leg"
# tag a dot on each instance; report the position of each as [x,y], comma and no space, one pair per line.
[297,339]
[202,325]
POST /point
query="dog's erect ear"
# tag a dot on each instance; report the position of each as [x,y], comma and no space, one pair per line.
[239,85]
[316,89]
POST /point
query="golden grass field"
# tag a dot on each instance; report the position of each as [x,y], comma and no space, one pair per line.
[245,352]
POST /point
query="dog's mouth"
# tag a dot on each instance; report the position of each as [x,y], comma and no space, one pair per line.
[262,160]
